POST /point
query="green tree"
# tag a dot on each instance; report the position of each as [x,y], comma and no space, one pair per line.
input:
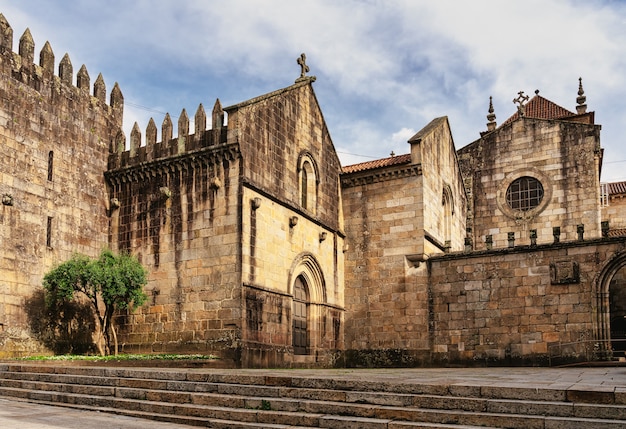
[111,282]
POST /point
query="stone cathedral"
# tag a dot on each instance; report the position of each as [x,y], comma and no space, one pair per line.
[263,250]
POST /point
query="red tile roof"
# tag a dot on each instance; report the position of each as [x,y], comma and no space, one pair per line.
[378,163]
[617,232]
[542,108]
[616,188]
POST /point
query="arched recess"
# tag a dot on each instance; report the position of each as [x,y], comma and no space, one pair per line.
[308,291]
[447,201]
[306,265]
[611,306]
[308,181]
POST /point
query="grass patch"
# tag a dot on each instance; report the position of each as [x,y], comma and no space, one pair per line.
[119,357]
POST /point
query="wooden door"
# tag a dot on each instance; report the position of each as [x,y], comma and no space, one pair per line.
[300,316]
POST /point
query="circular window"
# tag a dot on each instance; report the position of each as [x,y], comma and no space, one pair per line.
[524,193]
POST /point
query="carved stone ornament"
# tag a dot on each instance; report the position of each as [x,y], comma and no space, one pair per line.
[564,272]
[7,199]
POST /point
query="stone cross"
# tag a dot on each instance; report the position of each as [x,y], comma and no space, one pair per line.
[521,100]
[303,67]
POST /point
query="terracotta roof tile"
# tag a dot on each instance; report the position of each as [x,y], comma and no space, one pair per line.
[378,163]
[617,232]
[616,188]
[542,108]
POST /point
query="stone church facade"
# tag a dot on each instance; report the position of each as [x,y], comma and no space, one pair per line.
[263,250]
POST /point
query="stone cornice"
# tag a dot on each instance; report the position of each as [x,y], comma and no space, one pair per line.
[380,175]
[181,162]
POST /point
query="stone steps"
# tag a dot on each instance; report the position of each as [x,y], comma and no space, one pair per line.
[229,400]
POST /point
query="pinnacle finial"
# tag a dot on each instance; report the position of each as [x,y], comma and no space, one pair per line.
[581,91]
[491,116]
[581,99]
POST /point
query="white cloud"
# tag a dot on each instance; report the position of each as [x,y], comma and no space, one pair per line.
[381,66]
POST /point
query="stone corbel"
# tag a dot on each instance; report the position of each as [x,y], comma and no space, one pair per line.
[256,203]
[166,193]
[115,204]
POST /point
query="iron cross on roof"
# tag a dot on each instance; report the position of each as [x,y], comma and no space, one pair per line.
[521,100]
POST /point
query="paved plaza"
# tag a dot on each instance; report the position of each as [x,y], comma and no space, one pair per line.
[16,414]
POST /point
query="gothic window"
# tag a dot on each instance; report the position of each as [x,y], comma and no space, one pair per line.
[50,163]
[447,214]
[300,337]
[524,193]
[304,185]
[307,178]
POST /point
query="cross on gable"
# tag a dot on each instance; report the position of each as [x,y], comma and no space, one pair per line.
[303,67]
[521,101]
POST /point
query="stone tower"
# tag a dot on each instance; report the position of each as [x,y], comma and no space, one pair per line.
[55,133]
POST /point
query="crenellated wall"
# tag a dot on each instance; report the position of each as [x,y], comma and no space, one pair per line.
[174,204]
[241,229]
[137,154]
[218,235]
[54,139]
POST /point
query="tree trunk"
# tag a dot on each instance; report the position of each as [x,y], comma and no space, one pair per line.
[115,351]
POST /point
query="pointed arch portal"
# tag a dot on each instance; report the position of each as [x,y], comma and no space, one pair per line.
[611,307]
[308,291]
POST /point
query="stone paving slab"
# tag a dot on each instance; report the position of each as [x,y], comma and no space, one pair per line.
[23,415]
[16,414]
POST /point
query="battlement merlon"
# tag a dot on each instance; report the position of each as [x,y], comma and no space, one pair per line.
[21,67]
[169,146]
[136,154]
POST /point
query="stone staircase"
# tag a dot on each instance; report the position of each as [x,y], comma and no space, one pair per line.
[290,399]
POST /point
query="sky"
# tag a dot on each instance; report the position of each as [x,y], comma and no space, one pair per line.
[384,68]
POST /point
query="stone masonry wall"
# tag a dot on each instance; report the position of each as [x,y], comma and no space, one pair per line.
[54,139]
[518,305]
[386,303]
[178,212]
[290,226]
[442,180]
[275,132]
[562,155]
[275,251]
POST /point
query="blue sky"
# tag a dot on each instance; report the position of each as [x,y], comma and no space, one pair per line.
[384,68]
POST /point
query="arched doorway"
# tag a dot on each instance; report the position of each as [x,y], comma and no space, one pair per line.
[300,319]
[308,309]
[611,308]
[617,308]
